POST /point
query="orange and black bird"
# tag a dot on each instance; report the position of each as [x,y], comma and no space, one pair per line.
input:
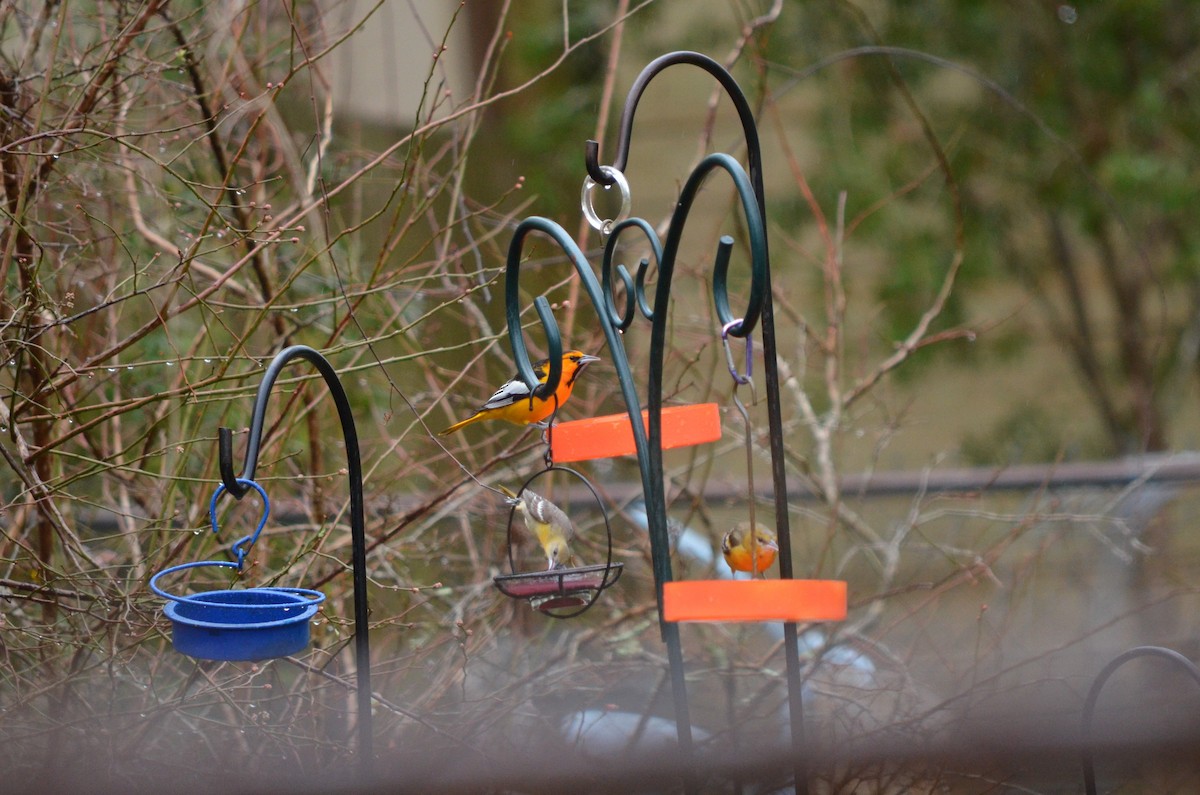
[516,403]
[746,551]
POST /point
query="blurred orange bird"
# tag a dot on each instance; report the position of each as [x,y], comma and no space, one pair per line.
[746,551]
[516,403]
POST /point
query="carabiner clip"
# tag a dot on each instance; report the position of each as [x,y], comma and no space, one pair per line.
[738,378]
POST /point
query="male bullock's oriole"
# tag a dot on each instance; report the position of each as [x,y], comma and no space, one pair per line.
[515,403]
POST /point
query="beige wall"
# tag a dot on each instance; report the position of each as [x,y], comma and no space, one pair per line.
[380,75]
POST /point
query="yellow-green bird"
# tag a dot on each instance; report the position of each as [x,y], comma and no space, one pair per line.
[548,523]
[744,551]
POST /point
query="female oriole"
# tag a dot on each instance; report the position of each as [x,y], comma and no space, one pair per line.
[515,403]
[548,523]
[746,551]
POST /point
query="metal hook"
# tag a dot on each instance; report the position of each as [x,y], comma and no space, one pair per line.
[732,327]
[548,436]
[545,314]
[745,114]
[635,290]
[591,161]
[232,483]
[1089,706]
[242,545]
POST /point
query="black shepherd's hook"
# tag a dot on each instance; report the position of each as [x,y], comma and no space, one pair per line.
[1089,706]
[362,646]
[740,104]
[759,311]
[602,302]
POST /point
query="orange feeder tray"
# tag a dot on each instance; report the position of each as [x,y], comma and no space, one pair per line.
[754,600]
[612,435]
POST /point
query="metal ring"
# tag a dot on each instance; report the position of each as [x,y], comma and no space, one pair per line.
[224,564]
[302,596]
[589,212]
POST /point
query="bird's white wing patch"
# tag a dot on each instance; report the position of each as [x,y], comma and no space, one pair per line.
[507,395]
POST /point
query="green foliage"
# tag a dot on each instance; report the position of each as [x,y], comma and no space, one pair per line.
[1055,119]
[545,134]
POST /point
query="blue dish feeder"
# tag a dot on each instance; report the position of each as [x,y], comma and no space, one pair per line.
[243,625]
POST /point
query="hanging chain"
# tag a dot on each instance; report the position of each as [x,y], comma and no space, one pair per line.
[745,378]
[548,435]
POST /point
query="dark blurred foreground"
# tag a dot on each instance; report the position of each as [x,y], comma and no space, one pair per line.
[1041,756]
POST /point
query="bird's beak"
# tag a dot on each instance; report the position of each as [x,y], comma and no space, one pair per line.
[769,545]
[587,359]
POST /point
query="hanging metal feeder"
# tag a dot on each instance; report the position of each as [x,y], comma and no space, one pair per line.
[574,588]
[244,624]
[732,600]
[561,588]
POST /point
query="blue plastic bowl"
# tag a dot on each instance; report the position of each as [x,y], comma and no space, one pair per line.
[244,625]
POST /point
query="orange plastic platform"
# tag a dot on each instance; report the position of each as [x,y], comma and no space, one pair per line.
[754,600]
[612,435]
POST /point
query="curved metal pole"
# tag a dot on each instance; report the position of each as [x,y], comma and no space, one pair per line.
[721,74]
[362,644]
[655,491]
[767,323]
[656,498]
[635,293]
[660,551]
[1089,706]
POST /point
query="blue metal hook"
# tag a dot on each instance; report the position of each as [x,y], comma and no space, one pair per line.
[242,545]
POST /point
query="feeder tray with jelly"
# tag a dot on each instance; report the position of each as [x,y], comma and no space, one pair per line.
[560,588]
[238,624]
[574,588]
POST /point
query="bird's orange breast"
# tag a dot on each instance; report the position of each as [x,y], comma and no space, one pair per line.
[740,559]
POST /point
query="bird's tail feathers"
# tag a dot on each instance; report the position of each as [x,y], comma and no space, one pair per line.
[458,426]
